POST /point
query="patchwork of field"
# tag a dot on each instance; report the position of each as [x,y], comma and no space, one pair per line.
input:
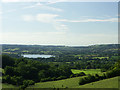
[87,71]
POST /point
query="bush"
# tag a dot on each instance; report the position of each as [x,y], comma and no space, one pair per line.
[97,77]
[82,81]
[28,82]
[6,79]
[82,74]
[53,79]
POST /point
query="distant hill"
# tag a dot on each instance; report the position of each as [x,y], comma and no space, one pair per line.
[93,49]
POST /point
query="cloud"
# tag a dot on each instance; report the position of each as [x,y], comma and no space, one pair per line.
[37,5]
[46,18]
[89,20]
[43,6]
[60,27]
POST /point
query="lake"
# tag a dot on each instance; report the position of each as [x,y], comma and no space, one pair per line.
[37,56]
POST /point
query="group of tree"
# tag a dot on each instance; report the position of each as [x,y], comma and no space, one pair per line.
[24,72]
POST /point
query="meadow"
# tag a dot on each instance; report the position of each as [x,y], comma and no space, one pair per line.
[106,83]
[65,83]
[73,83]
[86,71]
[5,85]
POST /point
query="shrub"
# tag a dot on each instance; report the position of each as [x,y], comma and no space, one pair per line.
[53,79]
[28,82]
[81,81]
[82,74]
[6,79]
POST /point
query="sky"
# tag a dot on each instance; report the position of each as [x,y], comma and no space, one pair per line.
[59,23]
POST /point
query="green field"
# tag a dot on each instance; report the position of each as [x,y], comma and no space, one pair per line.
[100,57]
[70,83]
[86,71]
[73,83]
[106,83]
[8,86]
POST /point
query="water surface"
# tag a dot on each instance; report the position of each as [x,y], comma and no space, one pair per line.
[37,56]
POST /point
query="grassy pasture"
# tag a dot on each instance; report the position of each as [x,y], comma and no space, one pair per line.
[100,57]
[5,85]
[106,83]
[73,83]
[87,71]
[15,49]
[70,83]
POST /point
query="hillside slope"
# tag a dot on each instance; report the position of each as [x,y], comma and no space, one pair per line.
[73,83]
[106,83]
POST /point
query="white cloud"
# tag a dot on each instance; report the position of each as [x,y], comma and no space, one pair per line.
[60,27]
[43,6]
[89,20]
[46,18]
[38,5]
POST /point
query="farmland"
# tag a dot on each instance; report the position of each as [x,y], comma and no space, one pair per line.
[86,71]
[5,85]
[73,83]
[107,83]
[95,64]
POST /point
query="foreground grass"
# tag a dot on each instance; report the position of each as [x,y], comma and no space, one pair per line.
[71,82]
[5,85]
[106,83]
[87,71]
